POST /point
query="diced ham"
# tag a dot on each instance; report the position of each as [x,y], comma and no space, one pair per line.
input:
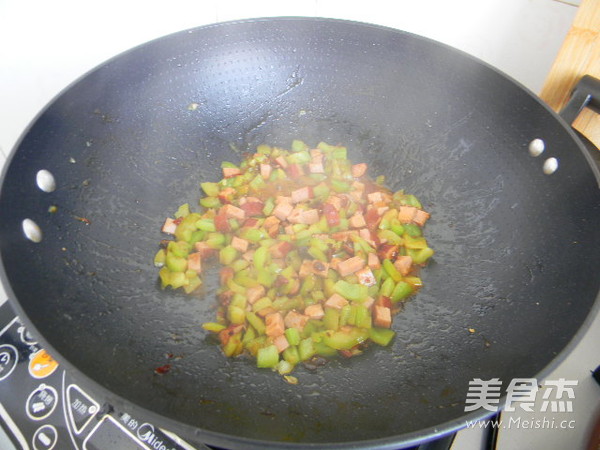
[358,170]
[384,301]
[350,266]
[382,316]
[294,170]
[225,275]
[305,216]
[357,191]
[282,199]
[289,230]
[302,195]
[294,217]
[336,301]
[204,250]
[266,311]
[229,172]
[225,335]
[294,319]
[281,161]
[388,251]
[233,212]
[381,210]
[248,256]
[281,249]
[241,245]
[281,343]
[316,154]
[357,220]
[254,293]
[306,268]
[314,311]
[316,167]
[194,262]
[226,195]
[368,236]
[366,277]
[271,221]
[372,218]
[373,261]
[335,201]
[274,324]
[169,226]
[320,268]
[251,222]
[403,264]
[420,217]
[309,217]
[368,303]
[344,235]
[283,210]
[265,171]
[332,216]
[375,197]
[334,263]
[221,222]
[406,214]
[252,208]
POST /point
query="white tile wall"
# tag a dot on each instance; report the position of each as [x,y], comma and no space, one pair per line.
[46,45]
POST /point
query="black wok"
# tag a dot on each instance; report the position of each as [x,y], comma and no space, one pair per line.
[517,251]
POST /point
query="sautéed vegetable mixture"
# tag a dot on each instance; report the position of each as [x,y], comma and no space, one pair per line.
[316,256]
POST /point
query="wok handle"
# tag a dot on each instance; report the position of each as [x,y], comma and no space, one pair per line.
[585,94]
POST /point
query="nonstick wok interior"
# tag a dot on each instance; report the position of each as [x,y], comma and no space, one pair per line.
[516,257]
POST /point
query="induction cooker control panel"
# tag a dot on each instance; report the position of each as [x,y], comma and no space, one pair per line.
[42,408]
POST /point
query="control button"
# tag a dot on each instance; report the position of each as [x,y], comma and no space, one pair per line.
[82,408]
[45,438]
[109,433]
[8,360]
[41,402]
[26,338]
[42,364]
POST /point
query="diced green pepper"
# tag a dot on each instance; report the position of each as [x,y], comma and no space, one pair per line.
[210,202]
[354,292]
[160,257]
[401,291]
[175,263]
[183,210]
[227,255]
[293,336]
[298,146]
[256,322]
[345,339]
[412,230]
[388,266]
[206,225]
[306,349]
[210,189]
[381,336]
[291,354]
[267,357]
[213,326]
